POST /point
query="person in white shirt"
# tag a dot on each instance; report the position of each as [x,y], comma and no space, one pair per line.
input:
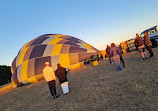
[50,78]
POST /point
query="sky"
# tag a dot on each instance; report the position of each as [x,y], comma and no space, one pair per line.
[97,22]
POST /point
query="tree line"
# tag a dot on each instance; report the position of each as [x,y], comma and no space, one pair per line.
[5,74]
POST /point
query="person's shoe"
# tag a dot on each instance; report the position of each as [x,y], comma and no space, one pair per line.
[142,59]
[55,96]
[66,93]
[150,56]
[118,70]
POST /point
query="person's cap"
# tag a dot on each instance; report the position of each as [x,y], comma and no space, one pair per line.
[46,63]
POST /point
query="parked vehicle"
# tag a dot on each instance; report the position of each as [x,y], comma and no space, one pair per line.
[128,46]
[153,34]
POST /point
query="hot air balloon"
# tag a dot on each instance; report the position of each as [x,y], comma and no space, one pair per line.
[70,52]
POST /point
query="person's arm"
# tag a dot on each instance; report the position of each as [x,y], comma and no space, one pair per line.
[119,50]
[149,38]
[54,76]
[106,51]
[144,40]
[65,72]
[135,42]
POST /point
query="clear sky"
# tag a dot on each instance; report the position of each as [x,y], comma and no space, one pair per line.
[97,22]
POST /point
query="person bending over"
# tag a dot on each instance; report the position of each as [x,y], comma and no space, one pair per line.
[140,44]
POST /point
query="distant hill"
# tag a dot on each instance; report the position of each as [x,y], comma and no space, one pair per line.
[5,74]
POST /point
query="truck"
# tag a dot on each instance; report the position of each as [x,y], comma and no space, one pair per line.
[153,34]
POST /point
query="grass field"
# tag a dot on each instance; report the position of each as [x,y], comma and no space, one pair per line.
[98,88]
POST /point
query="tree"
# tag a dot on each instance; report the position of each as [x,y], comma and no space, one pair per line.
[5,74]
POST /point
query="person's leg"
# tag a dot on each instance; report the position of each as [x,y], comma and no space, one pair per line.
[65,87]
[150,50]
[145,55]
[119,63]
[52,87]
[121,59]
[142,52]
[116,63]
[51,91]
[110,59]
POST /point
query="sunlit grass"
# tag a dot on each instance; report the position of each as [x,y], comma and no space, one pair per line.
[99,88]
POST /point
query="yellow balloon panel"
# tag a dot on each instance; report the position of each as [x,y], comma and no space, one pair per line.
[28,65]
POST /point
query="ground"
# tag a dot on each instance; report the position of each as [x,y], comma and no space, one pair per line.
[99,88]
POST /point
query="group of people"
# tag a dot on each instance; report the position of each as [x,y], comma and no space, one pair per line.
[93,58]
[142,44]
[50,78]
[116,54]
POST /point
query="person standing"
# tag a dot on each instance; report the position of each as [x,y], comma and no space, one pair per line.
[101,56]
[139,42]
[50,78]
[97,57]
[148,43]
[108,53]
[61,73]
[114,53]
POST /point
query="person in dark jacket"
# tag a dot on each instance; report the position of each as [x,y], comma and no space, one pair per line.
[85,61]
[61,74]
[139,42]
[108,53]
[97,57]
[148,43]
[101,56]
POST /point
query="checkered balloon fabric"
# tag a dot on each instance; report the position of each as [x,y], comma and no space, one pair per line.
[27,67]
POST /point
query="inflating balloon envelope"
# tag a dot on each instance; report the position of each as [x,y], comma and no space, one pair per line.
[70,52]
